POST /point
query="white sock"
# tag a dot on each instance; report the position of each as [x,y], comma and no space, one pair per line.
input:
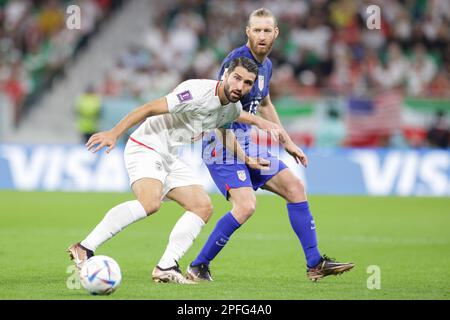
[114,221]
[181,238]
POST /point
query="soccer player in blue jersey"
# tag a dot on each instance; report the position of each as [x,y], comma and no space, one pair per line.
[237,182]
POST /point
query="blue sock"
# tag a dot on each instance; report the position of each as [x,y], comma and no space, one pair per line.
[303,224]
[217,240]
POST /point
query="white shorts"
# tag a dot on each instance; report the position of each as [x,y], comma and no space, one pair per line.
[143,162]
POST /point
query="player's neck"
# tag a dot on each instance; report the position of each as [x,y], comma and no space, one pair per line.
[259,58]
[221,94]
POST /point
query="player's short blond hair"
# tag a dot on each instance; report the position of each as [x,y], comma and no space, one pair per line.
[262,12]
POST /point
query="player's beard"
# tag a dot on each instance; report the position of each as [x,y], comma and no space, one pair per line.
[226,90]
[261,51]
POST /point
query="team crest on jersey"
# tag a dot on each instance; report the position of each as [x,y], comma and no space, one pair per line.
[261,82]
[184,96]
[241,175]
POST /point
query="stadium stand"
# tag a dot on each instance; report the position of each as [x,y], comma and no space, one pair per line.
[36,45]
[386,85]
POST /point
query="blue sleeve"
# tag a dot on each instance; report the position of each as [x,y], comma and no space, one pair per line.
[269,75]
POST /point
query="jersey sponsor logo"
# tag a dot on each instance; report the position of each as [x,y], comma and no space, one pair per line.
[261,82]
[371,172]
[184,96]
[241,175]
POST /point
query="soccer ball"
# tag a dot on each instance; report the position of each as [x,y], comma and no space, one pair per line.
[100,275]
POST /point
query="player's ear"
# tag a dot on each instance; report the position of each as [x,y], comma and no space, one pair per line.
[247,31]
[277,32]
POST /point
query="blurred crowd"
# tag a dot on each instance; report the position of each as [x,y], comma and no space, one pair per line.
[323,45]
[35,43]
[324,49]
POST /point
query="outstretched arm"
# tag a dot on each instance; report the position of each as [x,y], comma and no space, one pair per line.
[109,138]
[230,142]
[263,124]
[275,130]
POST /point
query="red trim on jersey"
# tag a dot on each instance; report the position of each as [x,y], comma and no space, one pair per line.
[217,87]
[141,144]
[213,153]
[227,187]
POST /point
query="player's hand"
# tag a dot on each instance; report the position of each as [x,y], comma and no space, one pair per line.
[102,139]
[258,163]
[274,129]
[296,153]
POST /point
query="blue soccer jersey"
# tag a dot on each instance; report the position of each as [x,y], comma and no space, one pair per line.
[251,101]
[225,170]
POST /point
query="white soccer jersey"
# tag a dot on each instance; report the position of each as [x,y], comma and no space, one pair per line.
[194,108]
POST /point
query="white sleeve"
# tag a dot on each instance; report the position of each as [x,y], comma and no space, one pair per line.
[232,116]
[238,109]
[184,97]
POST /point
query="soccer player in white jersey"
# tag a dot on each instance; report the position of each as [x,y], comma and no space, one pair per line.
[156,172]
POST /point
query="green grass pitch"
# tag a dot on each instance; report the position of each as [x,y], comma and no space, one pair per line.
[408,238]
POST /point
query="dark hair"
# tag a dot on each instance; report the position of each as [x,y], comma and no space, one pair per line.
[244,62]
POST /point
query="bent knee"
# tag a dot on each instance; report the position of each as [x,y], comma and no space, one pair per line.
[205,211]
[295,191]
[203,208]
[150,207]
[243,211]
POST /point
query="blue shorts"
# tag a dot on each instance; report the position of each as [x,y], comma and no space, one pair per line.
[228,176]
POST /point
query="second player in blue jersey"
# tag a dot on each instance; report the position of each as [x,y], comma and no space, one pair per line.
[226,172]
[237,181]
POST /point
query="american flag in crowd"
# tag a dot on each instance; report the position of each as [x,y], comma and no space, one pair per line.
[370,118]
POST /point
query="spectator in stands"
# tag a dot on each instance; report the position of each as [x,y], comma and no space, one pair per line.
[345,72]
[332,132]
[51,18]
[439,133]
[91,14]
[285,74]
[422,69]
[111,87]
[15,12]
[392,74]
[15,85]
[88,108]
[135,58]
[440,86]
